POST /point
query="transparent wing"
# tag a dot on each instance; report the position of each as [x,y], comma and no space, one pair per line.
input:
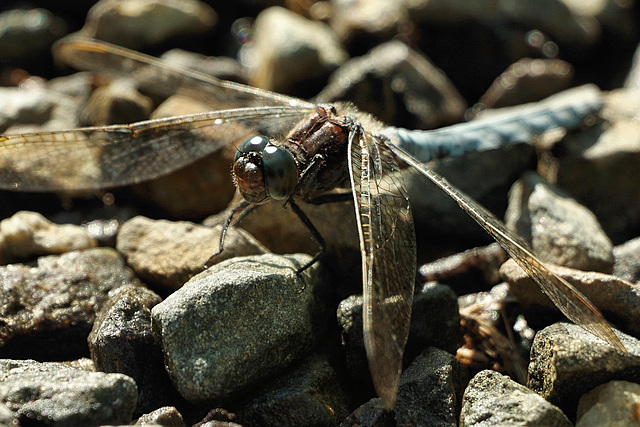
[387,244]
[568,299]
[110,156]
[159,77]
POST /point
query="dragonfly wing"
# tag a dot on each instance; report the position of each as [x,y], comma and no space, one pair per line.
[110,156]
[567,298]
[159,77]
[387,243]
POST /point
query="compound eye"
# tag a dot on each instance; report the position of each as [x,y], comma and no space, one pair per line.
[255,143]
[280,172]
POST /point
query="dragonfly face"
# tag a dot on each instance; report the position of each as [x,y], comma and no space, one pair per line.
[264,171]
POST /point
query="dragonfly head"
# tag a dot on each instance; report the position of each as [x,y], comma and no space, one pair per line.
[264,171]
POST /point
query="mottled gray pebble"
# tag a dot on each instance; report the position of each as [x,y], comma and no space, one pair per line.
[166,416]
[309,394]
[618,299]
[54,394]
[559,229]
[167,253]
[48,310]
[240,322]
[121,341]
[28,234]
[430,390]
[493,399]
[567,361]
[627,260]
[612,404]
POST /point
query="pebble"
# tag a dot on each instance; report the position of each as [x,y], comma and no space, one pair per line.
[117,103]
[567,362]
[308,394]
[627,260]
[65,396]
[397,85]
[558,228]
[138,23]
[167,253]
[290,52]
[121,341]
[240,323]
[166,416]
[430,390]
[493,399]
[27,234]
[613,404]
[48,310]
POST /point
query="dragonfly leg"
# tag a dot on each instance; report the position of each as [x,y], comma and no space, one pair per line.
[314,233]
[235,215]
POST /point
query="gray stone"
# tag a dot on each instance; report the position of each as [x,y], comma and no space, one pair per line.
[493,399]
[309,394]
[240,322]
[291,51]
[121,341]
[167,416]
[48,310]
[397,85]
[167,253]
[559,229]
[627,260]
[618,299]
[430,390]
[139,23]
[117,103]
[54,394]
[567,361]
[612,404]
[28,234]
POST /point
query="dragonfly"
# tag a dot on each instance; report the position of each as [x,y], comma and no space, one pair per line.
[291,149]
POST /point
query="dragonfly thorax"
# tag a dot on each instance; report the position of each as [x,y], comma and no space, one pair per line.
[264,171]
